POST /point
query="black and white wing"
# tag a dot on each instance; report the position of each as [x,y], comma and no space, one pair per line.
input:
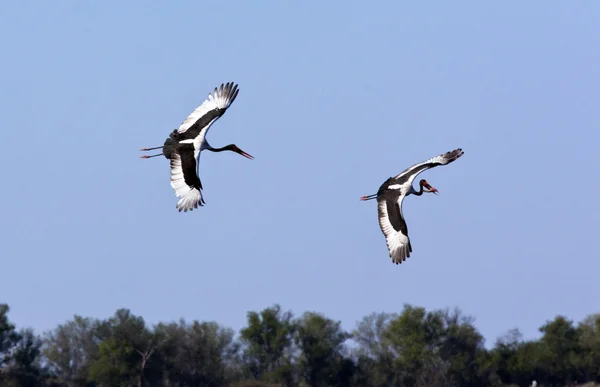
[184,179]
[393,226]
[409,174]
[208,112]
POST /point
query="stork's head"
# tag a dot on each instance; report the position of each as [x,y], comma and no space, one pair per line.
[424,183]
[236,149]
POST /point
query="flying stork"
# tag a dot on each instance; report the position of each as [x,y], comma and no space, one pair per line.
[389,203]
[183,146]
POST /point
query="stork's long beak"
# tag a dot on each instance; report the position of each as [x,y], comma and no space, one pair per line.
[247,155]
[430,188]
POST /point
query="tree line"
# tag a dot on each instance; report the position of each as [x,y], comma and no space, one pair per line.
[412,348]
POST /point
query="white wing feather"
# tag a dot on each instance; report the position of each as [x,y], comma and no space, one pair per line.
[443,159]
[190,197]
[221,97]
[397,243]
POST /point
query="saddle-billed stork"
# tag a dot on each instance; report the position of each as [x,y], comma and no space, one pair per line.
[183,146]
[389,203]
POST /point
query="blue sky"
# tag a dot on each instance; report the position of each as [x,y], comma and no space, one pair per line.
[334,98]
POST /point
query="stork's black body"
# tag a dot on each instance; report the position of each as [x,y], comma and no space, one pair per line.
[170,146]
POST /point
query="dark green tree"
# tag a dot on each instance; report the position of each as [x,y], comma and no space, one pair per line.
[373,355]
[415,338]
[126,352]
[321,344]
[589,336]
[70,349]
[24,368]
[503,357]
[8,335]
[462,348]
[114,365]
[197,354]
[529,365]
[561,352]
[267,345]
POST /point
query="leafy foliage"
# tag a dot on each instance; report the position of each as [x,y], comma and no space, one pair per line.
[413,348]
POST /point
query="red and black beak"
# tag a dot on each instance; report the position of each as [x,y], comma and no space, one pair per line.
[247,155]
[429,187]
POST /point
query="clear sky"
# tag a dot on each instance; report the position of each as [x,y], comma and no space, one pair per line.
[335,97]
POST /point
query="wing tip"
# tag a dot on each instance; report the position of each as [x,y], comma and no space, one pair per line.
[192,199]
[456,153]
[401,254]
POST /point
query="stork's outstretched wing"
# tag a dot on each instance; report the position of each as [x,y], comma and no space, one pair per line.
[409,174]
[208,112]
[184,179]
[393,226]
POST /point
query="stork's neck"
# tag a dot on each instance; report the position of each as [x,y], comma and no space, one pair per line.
[412,191]
[206,145]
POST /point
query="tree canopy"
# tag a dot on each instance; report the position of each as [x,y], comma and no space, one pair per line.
[412,348]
